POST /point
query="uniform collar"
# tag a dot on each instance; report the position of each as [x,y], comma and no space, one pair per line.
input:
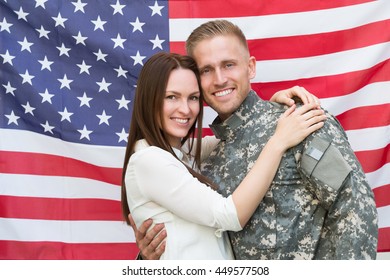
[222,129]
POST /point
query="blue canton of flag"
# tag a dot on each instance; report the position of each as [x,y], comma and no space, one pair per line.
[69,69]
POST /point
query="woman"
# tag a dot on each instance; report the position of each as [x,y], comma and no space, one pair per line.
[160,181]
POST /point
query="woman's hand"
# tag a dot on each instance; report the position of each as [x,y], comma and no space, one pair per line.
[287,96]
[298,123]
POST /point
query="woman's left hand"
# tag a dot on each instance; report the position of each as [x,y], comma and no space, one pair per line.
[286,96]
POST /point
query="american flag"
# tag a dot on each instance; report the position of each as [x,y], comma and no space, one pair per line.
[68,71]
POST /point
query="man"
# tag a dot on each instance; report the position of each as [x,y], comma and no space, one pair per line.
[319,205]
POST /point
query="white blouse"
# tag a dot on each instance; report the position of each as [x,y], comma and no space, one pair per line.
[196,217]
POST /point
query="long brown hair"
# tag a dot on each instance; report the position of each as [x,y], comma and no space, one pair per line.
[147,111]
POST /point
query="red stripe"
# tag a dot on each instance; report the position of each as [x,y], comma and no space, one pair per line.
[320,44]
[60,208]
[384,240]
[382,196]
[52,165]
[330,86]
[231,8]
[312,44]
[17,250]
[365,117]
[374,159]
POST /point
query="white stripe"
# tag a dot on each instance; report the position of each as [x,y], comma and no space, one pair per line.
[57,187]
[292,24]
[369,95]
[27,141]
[65,231]
[379,177]
[208,116]
[384,216]
[369,138]
[321,65]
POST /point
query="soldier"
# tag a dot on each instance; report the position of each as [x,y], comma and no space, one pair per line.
[319,205]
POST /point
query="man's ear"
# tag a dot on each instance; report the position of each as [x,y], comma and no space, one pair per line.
[252,67]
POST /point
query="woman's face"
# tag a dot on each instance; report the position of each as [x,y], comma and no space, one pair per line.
[181,105]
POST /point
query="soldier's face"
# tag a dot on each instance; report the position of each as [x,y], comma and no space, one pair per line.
[226,70]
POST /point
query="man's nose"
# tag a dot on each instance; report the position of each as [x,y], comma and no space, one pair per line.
[219,77]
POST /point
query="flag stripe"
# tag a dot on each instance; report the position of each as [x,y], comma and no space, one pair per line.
[365,117]
[14,140]
[382,196]
[45,250]
[229,8]
[292,24]
[331,64]
[333,85]
[380,177]
[52,165]
[312,44]
[383,239]
[372,160]
[65,231]
[60,208]
[56,186]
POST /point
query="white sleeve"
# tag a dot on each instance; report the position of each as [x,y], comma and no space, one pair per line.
[166,181]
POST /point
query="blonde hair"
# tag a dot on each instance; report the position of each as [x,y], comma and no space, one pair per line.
[212,29]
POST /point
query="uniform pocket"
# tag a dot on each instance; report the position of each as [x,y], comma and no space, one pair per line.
[326,169]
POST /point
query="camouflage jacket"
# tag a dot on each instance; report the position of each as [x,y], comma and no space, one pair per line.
[319,205]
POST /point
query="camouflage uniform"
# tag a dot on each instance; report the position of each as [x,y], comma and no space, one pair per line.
[319,205]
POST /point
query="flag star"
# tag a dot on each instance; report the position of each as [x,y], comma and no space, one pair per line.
[123,102]
[156,9]
[9,89]
[137,25]
[103,85]
[40,3]
[65,82]
[84,67]
[4,25]
[59,20]
[7,58]
[27,77]
[100,56]
[84,100]
[25,45]
[65,115]
[12,118]
[123,136]
[21,14]
[46,63]
[46,96]
[79,6]
[121,72]
[28,109]
[80,39]
[99,24]
[47,128]
[138,59]
[157,43]
[63,50]
[118,8]
[42,32]
[118,41]
[84,133]
[103,118]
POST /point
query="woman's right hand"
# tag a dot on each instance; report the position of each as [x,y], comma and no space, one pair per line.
[298,123]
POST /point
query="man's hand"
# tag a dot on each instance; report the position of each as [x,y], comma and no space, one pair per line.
[287,96]
[150,243]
